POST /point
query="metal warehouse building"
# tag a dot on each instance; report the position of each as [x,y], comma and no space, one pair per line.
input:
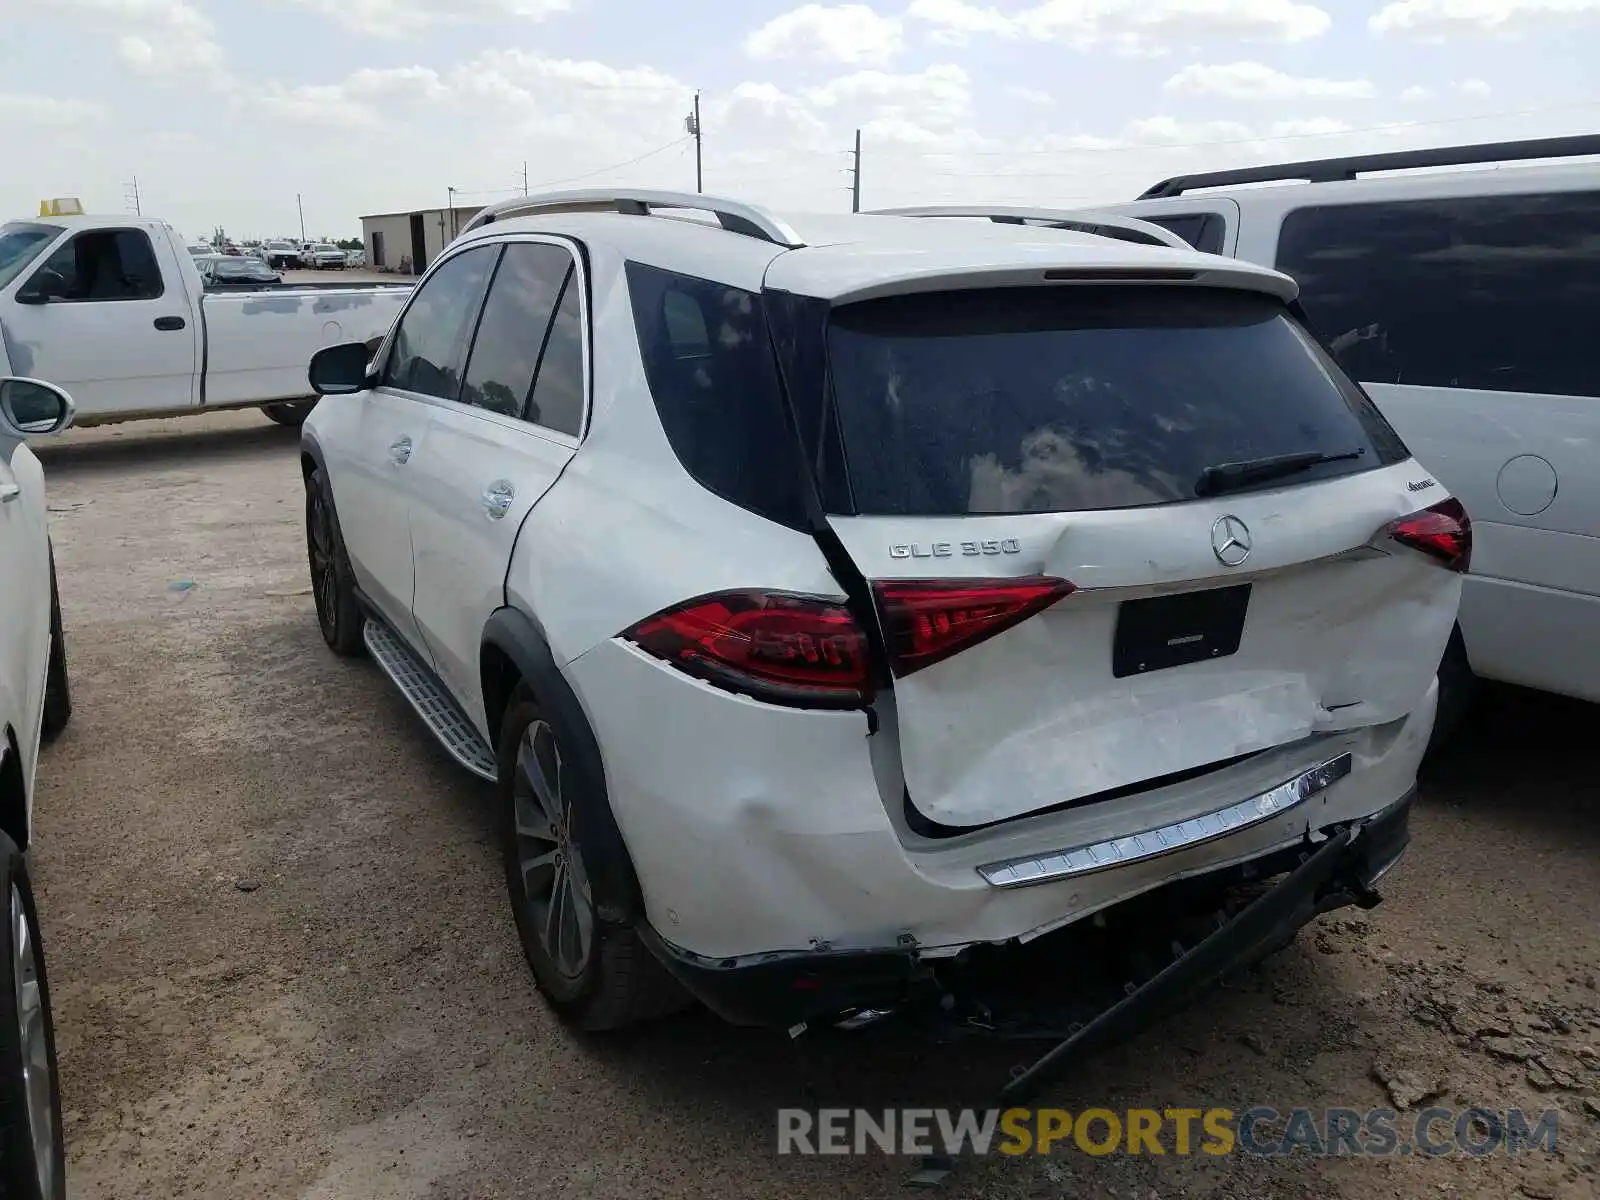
[408,241]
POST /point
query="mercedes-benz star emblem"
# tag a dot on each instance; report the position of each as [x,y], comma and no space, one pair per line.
[1230,540]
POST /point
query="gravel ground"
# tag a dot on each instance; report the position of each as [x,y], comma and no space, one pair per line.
[283,965]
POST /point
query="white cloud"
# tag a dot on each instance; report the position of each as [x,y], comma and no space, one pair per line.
[939,96]
[1137,26]
[47,111]
[1478,89]
[1416,94]
[161,39]
[1311,127]
[845,33]
[1432,19]
[407,18]
[1036,97]
[1255,81]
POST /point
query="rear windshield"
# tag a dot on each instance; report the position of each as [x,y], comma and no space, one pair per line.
[1056,399]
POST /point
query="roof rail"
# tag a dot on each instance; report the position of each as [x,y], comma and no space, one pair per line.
[1329,170]
[733,215]
[1112,225]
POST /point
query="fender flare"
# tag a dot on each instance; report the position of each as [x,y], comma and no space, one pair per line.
[618,898]
[310,449]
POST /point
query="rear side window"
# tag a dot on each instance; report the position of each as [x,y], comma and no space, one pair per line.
[557,401]
[1203,231]
[512,331]
[1489,292]
[1069,398]
[709,363]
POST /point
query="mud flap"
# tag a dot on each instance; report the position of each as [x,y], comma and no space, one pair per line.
[1270,920]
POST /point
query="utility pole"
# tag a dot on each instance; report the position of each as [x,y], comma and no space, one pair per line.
[302,209]
[133,196]
[692,124]
[524,177]
[452,194]
[855,177]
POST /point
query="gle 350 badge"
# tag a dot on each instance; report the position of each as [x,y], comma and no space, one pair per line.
[953,549]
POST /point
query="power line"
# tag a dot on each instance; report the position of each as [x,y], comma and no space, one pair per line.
[618,166]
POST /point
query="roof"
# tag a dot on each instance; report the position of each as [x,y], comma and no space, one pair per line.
[850,257]
[460,209]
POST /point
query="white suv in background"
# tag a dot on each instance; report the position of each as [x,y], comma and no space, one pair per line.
[1465,301]
[831,598]
[35,702]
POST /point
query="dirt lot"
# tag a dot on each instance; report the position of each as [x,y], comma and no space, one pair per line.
[283,965]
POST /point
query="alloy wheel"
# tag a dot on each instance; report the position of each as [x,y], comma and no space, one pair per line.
[555,886]
[34,1044]
[324,571]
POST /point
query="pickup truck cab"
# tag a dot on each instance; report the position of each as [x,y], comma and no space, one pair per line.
[114,309]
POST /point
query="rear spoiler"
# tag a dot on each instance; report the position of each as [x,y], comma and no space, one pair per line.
[1099,224]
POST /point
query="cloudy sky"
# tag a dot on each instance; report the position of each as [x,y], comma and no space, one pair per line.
[226,109]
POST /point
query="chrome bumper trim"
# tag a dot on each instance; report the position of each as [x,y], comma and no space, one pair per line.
[1166,839]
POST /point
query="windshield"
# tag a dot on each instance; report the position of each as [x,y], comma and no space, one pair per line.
[1060,399]
[20,244]
[325,249]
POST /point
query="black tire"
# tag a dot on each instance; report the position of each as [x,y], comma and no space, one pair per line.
[611,980]
[1456,682]
[292,414]
[333,585]
[57,684]
[30,1133]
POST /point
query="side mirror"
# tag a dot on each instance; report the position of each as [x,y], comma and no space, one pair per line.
[45,286]
[339,370]
[31,407]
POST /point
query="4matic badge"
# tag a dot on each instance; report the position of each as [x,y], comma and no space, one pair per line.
[952,549]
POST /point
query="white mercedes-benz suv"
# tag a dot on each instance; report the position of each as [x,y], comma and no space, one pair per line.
[832,598]
[35,702]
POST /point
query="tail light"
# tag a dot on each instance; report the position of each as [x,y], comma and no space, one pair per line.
[1442,531]
[926,620]
[805,651]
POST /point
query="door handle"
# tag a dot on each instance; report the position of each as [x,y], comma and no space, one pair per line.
[400,451]
[9,492]
[497,498]
[168,324]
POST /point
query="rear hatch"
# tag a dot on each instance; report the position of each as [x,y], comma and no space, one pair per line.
[1117,534]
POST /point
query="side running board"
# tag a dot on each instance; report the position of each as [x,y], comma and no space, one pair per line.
[441,714]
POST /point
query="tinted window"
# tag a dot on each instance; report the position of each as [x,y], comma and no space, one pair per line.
[108,264]
[1491,292]
[1055,399]
[710,367]
[516,318]
[557,400]
[432,336]
[1203,231]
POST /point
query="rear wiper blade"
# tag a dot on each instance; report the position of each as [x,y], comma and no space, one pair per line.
[1236,476]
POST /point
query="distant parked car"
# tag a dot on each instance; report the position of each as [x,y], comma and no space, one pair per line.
[324,256]
[222,272]
[199,250]
[281,254]
[355,258]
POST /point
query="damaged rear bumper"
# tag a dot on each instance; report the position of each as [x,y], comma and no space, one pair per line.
[785,989]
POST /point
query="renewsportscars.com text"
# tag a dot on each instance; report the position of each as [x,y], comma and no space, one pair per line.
[1262,1131]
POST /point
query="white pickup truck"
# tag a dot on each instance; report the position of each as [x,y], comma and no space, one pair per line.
[113,309]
